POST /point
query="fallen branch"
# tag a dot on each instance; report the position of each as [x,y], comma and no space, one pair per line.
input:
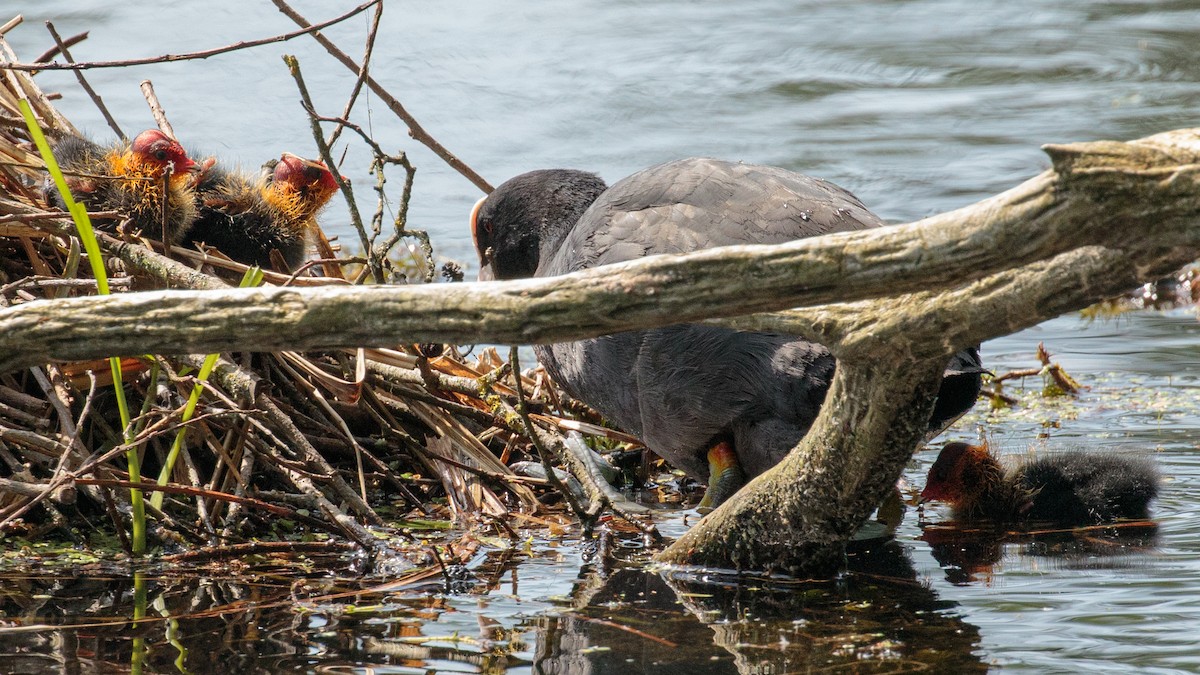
[1098,194]
[797,516]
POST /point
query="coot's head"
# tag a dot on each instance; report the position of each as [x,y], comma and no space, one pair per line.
[961,383]
[961,474]
[527,217]
[312,178]
[155,149]
[300,185]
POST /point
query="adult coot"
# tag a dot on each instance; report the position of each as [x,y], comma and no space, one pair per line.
[1070,488]
[721,404]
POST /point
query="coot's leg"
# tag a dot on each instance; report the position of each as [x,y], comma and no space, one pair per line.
[725,476]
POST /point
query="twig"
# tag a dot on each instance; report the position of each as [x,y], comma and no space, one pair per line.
[226,551]
[53,215]
[332,416]
[169,58]
[174,488]
[999,396]
[414,128]
[392,379]
[55,50]
[158,266]
[314,458]
[11,24]
[156,110]
[26,419]
[245,385]
[64,49]
[1015,374]
[237,439]
[319,138]
[50,282]
[399,224]
[586,517]
[22,400]
[75,427]
[372,32]
[20,487]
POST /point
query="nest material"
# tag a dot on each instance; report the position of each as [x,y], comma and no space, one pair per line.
[324,440]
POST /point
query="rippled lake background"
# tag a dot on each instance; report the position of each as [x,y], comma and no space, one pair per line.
[918,107]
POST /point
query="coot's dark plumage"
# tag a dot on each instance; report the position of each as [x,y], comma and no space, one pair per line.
[247,217]
[129,179]
[683,389]
[1073,488]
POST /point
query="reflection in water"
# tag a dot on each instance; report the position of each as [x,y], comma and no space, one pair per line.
[880,616]
[877,618]
[83,621]
[968,555]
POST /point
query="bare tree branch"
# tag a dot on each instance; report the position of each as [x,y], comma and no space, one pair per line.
[64,49]
[168,58]
[373,263]
[1140,199]
[360,79]
[414,128]
[57,49]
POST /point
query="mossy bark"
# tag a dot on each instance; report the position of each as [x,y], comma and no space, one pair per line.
[798,516]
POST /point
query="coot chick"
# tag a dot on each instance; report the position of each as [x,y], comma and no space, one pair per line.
[247,217]
[723,405]
[1068,488]
[129,180]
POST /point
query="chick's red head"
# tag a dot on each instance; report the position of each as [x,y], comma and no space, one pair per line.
[313,181]
[945,480]
[155,148]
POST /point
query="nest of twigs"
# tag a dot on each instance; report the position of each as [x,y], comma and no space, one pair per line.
[280,445]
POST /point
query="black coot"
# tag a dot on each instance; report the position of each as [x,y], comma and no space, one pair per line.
[693,393]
